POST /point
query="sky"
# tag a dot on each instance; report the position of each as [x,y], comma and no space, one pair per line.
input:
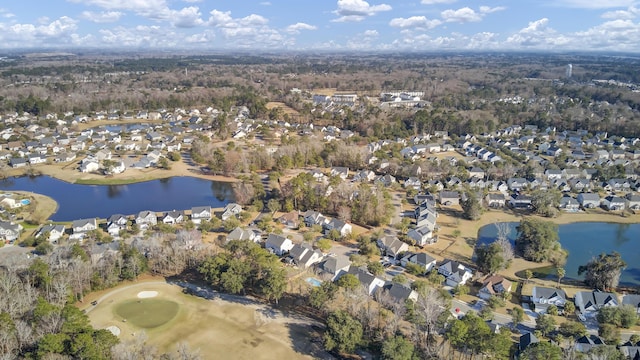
[322,25]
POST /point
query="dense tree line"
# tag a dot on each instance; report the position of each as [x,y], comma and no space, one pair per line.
[538,241]
[245,267]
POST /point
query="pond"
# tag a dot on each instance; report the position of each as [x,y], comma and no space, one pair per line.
[586,240]
[101,201]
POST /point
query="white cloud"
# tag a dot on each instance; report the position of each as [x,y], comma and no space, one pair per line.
[265,3]
[433,2]
[249,31]
[467,14]
[593,4]
[357,10]
[155,9]
[631,13]
[489,10]
[297,27]
[102,17]
[57,32]
[6,13]
[187,17]
[461,15]
[371,33]
[414,22]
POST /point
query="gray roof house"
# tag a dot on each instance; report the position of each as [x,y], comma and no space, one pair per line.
[526,340]
[391,245]
[423,260]
[633,201]
[242,234]
[335,266]
[370,282]
[613,203]
[543,297]
[232,209]
[455,273]
[400,293]
[146,219]
[588,342]
[277,244]
[173,217]
[9,231]
[81,227]
[55,232]
[304,255]
[449,198]
[589,200]
[422,236]
[589,302]
[633,300]
[199,213]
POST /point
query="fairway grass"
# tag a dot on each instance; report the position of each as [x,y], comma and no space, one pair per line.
[219,328]
[147,313]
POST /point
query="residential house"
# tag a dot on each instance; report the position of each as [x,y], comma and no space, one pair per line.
[413,183]
[314,218]
[146,219]
[526,340]
[9,231]
[116,223]
[476,172]
[385,180]
[520,201]
[632,300]
[290,220]
[425,261]
[341,172]
[16,162]
[516,184]
[200,213]
[52,231]
[449,198]
[588,342]
[495,200]
[81,227]
[494,285]
[400,293]
[422,236]
[334,266]
[632,201]
[278,245]
[613,203]
[589,200]
[231,209]
[173,217]
[243,234]
[589,302]
[364,176]
[370,282]
[454,273]
[303,255]
[392,246]
[342,227]
[543,297]
[569,204]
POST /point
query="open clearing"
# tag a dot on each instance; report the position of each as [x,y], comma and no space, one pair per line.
[226,327]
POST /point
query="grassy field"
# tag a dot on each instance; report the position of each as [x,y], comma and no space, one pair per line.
[219,329]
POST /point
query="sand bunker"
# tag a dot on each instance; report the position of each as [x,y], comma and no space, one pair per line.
[114,330]
[147,294]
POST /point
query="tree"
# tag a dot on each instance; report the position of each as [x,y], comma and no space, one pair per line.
[572,329]
[471,207]
[489,258]
[273,205]
[321,295]
[603,272]
[528,274]
[400,279]
[324,244]
[546,202]
[542,351]
[569,308]
[517,315]
[375,268]
[609,333]
[560,271]
[397,348]
[538,240]
[545,324]
[344,333]
[348,281]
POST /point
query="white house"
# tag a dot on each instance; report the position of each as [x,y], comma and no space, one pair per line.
[455,273]
[277,244]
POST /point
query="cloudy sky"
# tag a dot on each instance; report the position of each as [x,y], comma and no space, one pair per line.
[357,25]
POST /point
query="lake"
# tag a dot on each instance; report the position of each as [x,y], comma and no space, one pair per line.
[584,241]
[87,201]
